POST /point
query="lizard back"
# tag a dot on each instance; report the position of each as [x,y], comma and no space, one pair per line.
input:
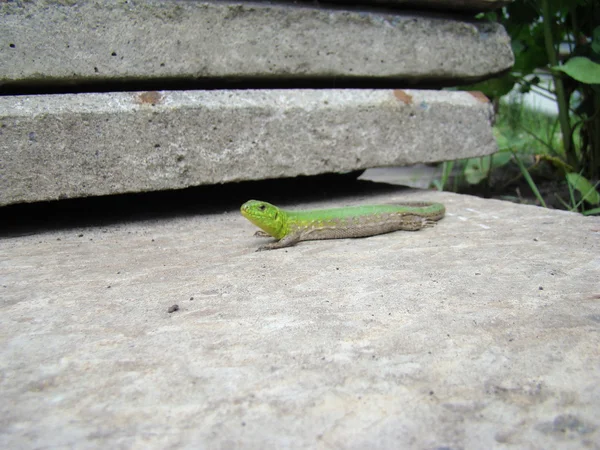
[362,221]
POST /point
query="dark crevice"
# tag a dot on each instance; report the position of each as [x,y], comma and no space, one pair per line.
[33,218]
[38,87]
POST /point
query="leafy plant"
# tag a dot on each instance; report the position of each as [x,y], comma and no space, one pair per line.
[557,39]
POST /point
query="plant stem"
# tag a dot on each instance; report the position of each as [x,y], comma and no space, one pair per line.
[446,172]
[529,180]
[563,104]
[594,169]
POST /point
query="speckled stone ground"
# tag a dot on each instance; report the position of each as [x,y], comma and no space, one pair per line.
[481,332]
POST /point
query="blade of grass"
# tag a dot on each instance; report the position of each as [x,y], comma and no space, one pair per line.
[588,193]
[447,167]
[529,180]
[565,204]
[572,206]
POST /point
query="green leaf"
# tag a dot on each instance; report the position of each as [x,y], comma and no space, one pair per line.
[591,212]
[489,16]
[476,169]
[585,188]
[494,87]
[581,69]
[517,46]
[501,158]
[596,41]
[528,46]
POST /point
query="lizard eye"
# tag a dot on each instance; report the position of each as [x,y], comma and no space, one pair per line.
[262,207]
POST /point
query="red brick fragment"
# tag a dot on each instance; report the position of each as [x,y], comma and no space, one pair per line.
[403,96]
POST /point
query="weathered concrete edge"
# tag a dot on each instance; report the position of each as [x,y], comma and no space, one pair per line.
[98,41]
[78,145]
[460,5]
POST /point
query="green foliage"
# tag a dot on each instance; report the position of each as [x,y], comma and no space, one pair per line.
[586,189]
[529,180]
[596,41]
[581,69]
[558,39]
[476,170]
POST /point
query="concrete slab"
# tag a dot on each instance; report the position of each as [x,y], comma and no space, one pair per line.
[99,40]
[65,146]
[482,332]
[419,176]
[459,5]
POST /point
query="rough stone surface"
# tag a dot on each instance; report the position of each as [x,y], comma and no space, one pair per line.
[94,40]
[460,5]
[481,332]
[64,146]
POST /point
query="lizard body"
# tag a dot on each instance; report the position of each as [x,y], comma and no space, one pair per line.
[290,227]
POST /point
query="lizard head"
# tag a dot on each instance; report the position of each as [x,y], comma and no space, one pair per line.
[267,217]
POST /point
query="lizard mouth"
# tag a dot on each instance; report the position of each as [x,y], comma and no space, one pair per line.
[253,208]
[251,215]
[244,209]
[246,212]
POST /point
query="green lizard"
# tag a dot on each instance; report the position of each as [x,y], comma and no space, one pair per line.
[290,227]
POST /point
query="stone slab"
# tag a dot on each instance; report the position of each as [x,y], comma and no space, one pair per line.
[77,145]
[421,176]
[93,41]
[458,5]
[481,332]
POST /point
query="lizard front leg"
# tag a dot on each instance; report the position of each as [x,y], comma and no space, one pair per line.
[287,241]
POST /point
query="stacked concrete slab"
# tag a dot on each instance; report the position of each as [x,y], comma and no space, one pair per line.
[107,97]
